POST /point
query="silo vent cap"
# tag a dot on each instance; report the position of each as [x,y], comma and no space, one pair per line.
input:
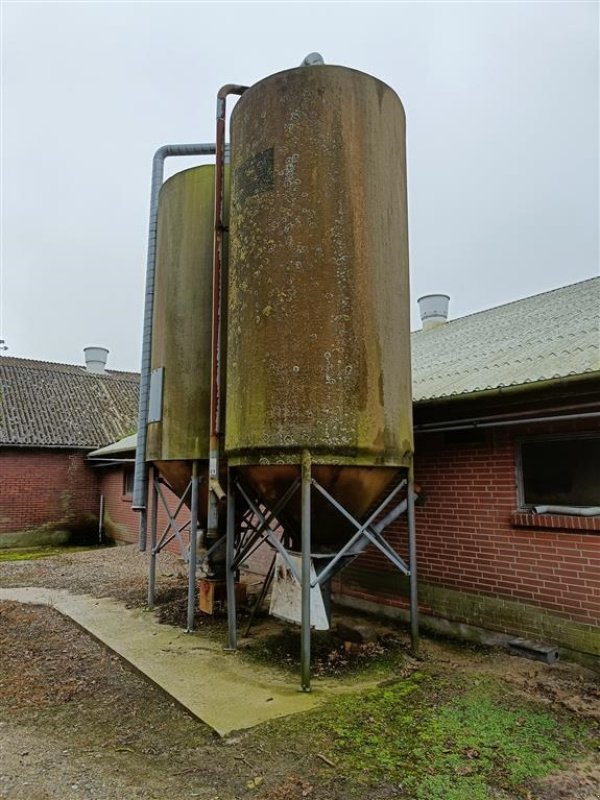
[95,359]
[433,309]
[312,59]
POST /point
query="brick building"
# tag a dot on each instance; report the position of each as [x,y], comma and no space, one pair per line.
[113,466]
[51,417]
[507,452]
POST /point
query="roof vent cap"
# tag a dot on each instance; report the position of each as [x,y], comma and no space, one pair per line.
[433,309]
[95,359]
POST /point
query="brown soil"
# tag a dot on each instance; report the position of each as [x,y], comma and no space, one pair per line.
[75,722]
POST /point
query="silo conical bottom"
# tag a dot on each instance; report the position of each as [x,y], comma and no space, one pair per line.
[178,475]
[356,488]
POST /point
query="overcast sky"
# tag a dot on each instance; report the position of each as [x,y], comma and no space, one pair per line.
[502,119]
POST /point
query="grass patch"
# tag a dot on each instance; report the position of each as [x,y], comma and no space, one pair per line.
[32,553]
[434,739]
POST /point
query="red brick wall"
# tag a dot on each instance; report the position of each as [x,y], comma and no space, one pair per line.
[469,536]
[40,486]
[123,523]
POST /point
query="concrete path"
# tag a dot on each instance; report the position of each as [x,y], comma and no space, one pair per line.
[222,689]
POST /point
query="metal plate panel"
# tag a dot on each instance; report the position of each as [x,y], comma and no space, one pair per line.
[156,395]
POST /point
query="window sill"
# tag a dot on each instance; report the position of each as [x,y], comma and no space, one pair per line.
[528,519]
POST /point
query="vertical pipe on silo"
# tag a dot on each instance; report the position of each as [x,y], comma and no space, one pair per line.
[215,491]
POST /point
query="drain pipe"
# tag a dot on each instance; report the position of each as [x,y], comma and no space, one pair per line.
[140,485]
[216,491]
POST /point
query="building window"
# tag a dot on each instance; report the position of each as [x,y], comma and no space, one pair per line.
[128,480]
[560,471]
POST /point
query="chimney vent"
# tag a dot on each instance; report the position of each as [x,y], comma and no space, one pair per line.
[95,359]
[433,309]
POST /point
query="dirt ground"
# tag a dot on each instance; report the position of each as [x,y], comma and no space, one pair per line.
[75,722]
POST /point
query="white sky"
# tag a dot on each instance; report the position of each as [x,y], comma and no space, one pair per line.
[502,118]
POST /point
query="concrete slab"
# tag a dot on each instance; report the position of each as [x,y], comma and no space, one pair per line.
[221,689]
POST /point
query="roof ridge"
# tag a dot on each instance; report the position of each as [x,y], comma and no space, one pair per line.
[511,303]
[74,369]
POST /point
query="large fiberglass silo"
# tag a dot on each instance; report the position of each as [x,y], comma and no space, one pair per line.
[318,346]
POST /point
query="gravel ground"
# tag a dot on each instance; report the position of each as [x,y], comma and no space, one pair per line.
[119,572]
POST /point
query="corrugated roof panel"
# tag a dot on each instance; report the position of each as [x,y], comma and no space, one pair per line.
[545,337]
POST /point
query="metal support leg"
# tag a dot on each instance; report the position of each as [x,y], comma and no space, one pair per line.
[306,545]
[412,561]
[230,567]
[191,609]
[153,525]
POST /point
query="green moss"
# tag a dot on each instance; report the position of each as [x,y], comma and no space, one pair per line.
[114,531]
[37,537]
[32,553]
[445,739]
[75,529]
[497,614]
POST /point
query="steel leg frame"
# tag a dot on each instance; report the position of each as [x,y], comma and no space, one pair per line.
[375,537]
[362,530]
[268,533]
[305,583]
[191,609]
[412,558]
[153,550]
[230,568]
[239,546]
[157,546]
[172,524]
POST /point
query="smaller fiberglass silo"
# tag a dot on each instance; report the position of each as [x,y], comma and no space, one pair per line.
[181,340]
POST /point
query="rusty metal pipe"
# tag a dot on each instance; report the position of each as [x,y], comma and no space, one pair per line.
[215,490]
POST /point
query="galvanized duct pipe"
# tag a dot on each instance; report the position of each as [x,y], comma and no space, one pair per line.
[140,485]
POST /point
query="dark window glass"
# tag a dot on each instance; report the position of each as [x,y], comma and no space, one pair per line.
[127,480]
[561,472]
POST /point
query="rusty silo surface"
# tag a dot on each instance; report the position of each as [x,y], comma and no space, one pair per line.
[318,345]
[181,340]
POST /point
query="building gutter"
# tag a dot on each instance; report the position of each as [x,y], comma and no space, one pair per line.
[504,391]
[487,422]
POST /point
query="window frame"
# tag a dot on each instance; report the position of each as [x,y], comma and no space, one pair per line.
[127,475]
[547,437]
